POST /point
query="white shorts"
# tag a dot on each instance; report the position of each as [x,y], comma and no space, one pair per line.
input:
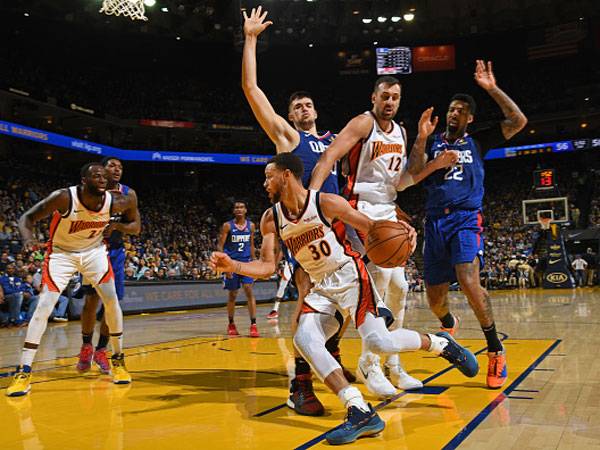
[348,290]
[60,265]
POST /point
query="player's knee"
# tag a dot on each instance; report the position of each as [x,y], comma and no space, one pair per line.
[45,306]
[306,344]
[377,343]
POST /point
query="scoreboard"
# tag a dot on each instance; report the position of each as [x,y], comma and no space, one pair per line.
[395,60]
[544,179]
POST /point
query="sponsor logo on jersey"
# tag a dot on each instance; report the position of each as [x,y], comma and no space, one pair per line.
[383,148]
[309,219]
[82,225]
[296,243]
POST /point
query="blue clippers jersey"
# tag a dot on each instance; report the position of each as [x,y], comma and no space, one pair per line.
[460,186]
[237,245]
[115,240]
[309,150]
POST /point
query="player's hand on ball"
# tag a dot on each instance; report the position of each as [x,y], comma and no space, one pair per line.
[221,262]
[426,124]
[412,235]
[255,24]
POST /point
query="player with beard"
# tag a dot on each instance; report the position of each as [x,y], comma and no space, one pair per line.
[116,251]
[302,139]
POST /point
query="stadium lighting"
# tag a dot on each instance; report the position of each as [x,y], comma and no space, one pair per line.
[396,19]
[409,16]
[587,99]
[583,125]
[164,9]
[178,38]
[381,19]
[532,131]
[150,3]
[311,45]
[367,20]
[375,42]
[26,14]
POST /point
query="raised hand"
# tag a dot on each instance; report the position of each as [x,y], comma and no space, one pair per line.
[255,24]
[426,125]
[484,76]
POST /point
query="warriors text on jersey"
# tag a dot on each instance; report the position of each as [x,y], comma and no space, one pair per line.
[460,186]
[237,245]
[376,165]
[309,150]
[318,246]
[79,229]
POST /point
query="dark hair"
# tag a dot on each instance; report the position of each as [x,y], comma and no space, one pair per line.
[290,162]
[386,79]
[243,202]
[466,98]
[299,94]
[106,159]
[86,168]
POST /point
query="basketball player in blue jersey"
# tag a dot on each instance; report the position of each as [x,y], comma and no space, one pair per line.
[116,251]
[237,240]
[453,243]
[302,139]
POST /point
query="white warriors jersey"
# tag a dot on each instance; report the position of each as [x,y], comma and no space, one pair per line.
[79,229]
[376,165]
[318,246]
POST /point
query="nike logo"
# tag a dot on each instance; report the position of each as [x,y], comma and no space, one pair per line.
[283,226]
[366,375]
[553,261]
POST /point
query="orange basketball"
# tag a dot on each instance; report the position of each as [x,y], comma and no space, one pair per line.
[388,244]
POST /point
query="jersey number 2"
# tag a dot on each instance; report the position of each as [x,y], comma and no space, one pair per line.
[323,249]
[240,246]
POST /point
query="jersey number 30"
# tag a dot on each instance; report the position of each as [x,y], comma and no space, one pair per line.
[322,249]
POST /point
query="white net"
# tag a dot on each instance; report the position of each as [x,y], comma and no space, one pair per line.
[134,9]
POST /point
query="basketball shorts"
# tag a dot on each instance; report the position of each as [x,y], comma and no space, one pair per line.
[348,290]
[117,261]
[236,281]
[451,239]
[60,266]
[374,211]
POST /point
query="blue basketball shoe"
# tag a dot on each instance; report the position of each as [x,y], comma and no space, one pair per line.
[462,358]
[358,424]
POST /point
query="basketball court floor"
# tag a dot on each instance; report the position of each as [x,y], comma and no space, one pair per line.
[195,388]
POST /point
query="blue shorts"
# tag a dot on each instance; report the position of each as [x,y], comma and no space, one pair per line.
[236,281]
[117,261]
[451,239]
[290,259]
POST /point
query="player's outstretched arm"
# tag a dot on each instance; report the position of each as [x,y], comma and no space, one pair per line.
[281,133]
[263,267]
[131,222]
[57,201]
[418,157]
[357,129]
[514,120]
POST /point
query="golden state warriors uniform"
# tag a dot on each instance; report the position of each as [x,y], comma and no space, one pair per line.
[339,275]
[76,244]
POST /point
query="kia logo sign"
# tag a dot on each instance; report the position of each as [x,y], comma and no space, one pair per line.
[557,277]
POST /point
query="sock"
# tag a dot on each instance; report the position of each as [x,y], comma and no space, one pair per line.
[252,320]
[102,342]
[87,338]
[393,360]
[116,342]
[447,321]
[230,320]
[302,367]
[276,305]
[438,344]
[494,344]
[27,355]
[351,396]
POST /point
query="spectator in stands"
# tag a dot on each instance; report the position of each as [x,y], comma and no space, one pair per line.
[592,263]
[11,297]
[579,266]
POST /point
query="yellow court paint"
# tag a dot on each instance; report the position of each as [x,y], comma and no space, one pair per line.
[205,393]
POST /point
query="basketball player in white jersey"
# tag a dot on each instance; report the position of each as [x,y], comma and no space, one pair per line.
[375,149]
[312,226]
[79,216]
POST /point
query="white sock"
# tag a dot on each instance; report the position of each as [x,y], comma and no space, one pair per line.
[116,342]
[393,360]
[351,396]
[438,344]
[276,305]
[27,356]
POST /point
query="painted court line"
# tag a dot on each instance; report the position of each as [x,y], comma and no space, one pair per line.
[467,430]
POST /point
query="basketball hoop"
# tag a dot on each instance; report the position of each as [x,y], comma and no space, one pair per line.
[134,9]
[545,222]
